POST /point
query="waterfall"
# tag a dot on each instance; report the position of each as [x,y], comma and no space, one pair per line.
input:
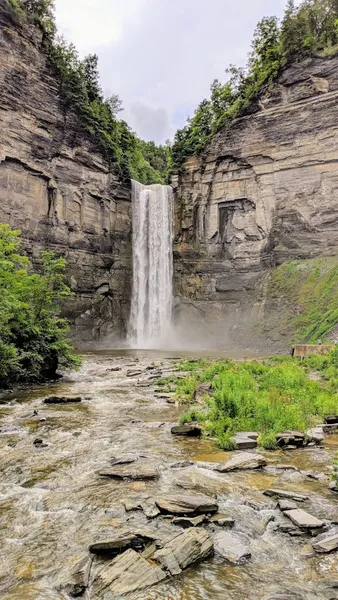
[152,295]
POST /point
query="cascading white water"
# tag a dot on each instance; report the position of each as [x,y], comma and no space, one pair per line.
[152,296]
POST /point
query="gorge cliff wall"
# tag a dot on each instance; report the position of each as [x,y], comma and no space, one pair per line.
[56,188]
[264,191]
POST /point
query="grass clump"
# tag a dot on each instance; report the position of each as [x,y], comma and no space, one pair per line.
[267,397]
[192,416]
[226,442]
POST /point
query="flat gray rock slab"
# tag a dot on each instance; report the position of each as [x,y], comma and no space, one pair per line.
[112,546]
[187,522]
[287,505]
[242,460]
[134,471]
[202,482]
[327,543]
[289,495]
[186,505]
[222,520]
[127,573]
[186,549]
[149,508]
[245,441]
[231,547]
[303,520]
[186,430]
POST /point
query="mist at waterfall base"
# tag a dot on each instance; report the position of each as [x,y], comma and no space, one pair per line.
[158,320]
[152,293]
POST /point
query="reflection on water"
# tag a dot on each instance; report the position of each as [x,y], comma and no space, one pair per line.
[53,504]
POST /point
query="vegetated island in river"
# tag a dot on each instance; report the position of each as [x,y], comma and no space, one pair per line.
[267,398]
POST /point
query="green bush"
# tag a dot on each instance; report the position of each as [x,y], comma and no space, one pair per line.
[33,336]
[268,440]
[226,442]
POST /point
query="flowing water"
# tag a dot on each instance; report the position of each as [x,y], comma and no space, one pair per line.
[152,296]
[53,504]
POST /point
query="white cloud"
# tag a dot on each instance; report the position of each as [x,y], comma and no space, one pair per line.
[91,24]
[161,56]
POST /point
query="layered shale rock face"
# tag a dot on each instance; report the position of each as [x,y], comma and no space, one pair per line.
[264,191]
[55,187]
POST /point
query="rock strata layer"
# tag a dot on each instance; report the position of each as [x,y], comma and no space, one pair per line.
[263,191]
[56,187]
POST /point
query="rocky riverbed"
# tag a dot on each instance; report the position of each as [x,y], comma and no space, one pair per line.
[99,500]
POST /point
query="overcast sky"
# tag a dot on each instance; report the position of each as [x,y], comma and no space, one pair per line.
[161,56]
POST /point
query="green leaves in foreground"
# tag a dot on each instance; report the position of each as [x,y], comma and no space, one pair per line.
[267,397]
[33,336]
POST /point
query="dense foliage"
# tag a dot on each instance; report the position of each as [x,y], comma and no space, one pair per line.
[33,336]
[81,91]
[267,397]
[306,30]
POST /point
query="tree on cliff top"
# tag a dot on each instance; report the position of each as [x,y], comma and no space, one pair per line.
[306,30]
[33,336]
[81,92]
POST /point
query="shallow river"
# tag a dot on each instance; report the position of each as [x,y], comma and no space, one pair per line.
[53,504]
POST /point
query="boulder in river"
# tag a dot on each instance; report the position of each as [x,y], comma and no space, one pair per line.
[327,542]
[186,505]
[39,443]
[293,438]
[231,547]
[316,434]
[187,522]
[63,400]
[242,460]
[134,471]
[111,546]
[289,495]
[222,520]
[333,486]
[76,582]
[246,440]
[133,373]
[186,549]
[187,430]
[202,481]
[331,419]
[304,520]
[127,573]
[285,504]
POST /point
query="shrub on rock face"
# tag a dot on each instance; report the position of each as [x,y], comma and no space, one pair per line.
[33,336]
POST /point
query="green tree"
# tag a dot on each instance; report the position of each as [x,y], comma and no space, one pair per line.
[33,336]
[91,77]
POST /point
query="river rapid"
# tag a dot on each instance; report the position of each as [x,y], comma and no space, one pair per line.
[53,504]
